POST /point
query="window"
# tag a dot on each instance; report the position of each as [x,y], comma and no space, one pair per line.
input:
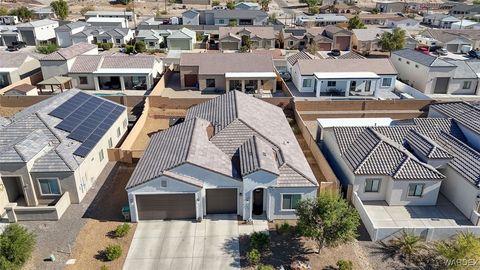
[211,83]
[49,186]
[125,122]
[100,155]
[467,85]
[290,201]
[307,83]
[104,40]
[117,41]
[83,80]
[110,143]
[372,185]
[151,44]
[164,183]
[415,190]
[386,82]
[331,83]
[118,132]
[290,42]
[221,21]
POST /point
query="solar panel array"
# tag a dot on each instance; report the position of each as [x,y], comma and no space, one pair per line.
[87,118]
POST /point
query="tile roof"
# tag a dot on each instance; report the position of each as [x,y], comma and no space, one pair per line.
[265,32]
[71,26]
[69,52]
[426,146]
[421,58]
[38,23]
[256,154]
[378,66]
[92,63]
[463,113]
[463,70]
[369,33]
[86,63]
[227,62]
[292,59]
[237,13]
[446,35]
[12,60]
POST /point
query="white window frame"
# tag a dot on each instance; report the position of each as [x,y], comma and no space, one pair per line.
[305,81]
[281,201]
[469,83]
[387,85]
[416,184]
[49,194]
[378,186]
[101,155]
[110,142]
[119,132]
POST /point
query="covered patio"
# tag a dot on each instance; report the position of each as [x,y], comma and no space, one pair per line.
[251,82]
[346,83]
[62,83]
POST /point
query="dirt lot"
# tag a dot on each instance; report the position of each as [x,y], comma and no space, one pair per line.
[286,248]
[9,111]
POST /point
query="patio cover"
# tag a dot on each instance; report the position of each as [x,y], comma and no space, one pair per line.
[62,82]
[269,75]
[346,75]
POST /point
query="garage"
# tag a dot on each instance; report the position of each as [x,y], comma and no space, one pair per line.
[342,43]
[191,80]
[452,48]
[324,46]
[222,201]
[229,45]
[166,206]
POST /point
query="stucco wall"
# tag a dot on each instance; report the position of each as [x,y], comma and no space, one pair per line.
[459,191]
[399,193]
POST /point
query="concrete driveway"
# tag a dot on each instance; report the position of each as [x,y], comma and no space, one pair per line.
[182,244]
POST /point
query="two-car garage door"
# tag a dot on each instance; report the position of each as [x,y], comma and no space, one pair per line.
[166,206]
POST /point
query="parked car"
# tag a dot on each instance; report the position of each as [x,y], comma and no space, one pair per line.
[285,75]
[441,51]
[335,52]
[474,53]
[17,45]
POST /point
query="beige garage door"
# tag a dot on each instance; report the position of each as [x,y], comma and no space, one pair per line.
[229,46]
[222,201]
[166,206]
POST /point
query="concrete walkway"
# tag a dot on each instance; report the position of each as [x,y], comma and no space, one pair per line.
[184,244]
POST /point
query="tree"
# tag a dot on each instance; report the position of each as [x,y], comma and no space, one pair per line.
[476,2]
[86,9]
[60,7]
[47,48]
[140,47]
[355,23]
[23,13]
[464,248]
[215,3]
[16,246]
[313,48]
[246,44]
[232,23]
[407,245]
[231,5]
[3,11]
[392,41]
[264,4]
[328,220]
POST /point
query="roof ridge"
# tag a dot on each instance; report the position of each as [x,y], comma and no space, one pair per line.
[63,159]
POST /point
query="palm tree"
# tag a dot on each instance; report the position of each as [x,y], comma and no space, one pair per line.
[407,245]
[264,4]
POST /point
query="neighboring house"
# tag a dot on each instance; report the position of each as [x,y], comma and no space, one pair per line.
[22,90]
[247,6]
[183,39]
[391,6]
[365,41]
[239,17]
[191,17]
[64,33]
[87,35]
[342,38]
[116,72]
[217,72]
[292,59]
[43,13]
[337,8]
[196,2]
[60,62]
[462,10]
[53,152]
[454,40]
[432,75]
[320,20]
[108,22]
[16,66]
[250,164]
[117,36]
[374,19]
[153,39]
[9,34]
[440,20]
[232,38]
[350,78]
[299,38]
[128,15]
[401,22]
[9,20]
[37,32]
[466,24]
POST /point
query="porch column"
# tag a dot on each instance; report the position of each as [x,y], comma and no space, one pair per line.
[122,83]
[243,86]
[319,87]
[274,89]
[347,91]
[259,86]
[148,79]
[97,84]
[227,86]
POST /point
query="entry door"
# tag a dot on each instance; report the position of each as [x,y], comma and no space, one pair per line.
[257,201]
[441,85]
[13,187]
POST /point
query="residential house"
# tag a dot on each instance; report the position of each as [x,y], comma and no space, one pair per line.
[127,15]
[320,20]
[232,38]
[391,6]
[439,20]
[183,39]
[9,20]
[196,2]
[373,19]
[432,75]
[366,40]
[191,17]
[53,152]
[153,39]
[37,32]
[117,36]
[247,6]
[462,10]
[60,62]
[250,72]
[364,78]
[22,90]
[234,154]
[466,24]
[9,34]
[43,13]
[16,66]
[342,38]
[238,17]
[454,40]
[402,22]
[299,38]
[64,33]
[108,22]
[117,72]
[339,8]
[293,58]
[87,35]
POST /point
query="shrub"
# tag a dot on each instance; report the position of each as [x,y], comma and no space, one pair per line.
[344,265]
[215,3]
[265,267]
[86,9]
[113,252]
[129,49]
[284,228]
[122,230]
[105,46]
[47,48]
[104,267]
[259,240]
[140,47]
[253,257]
[16,246]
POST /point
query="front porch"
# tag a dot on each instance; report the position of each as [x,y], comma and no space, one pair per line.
[47,209]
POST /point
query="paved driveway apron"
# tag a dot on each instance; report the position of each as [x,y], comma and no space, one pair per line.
[185,245]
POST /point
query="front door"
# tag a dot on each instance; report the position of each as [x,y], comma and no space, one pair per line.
[13,187]
[441,85]
[258,201]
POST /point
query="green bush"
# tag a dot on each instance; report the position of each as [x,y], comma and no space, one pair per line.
[105,46]
[344,265]
[47,48]
[16,246]
[265,267]
[259,240]
[253,257]
[215,3]
[284,228]
[113,252]
[122,230]
[140,47]
[104,267]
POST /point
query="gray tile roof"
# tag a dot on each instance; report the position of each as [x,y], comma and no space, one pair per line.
[256,154]
[228,62]
[426,146]
[4,121]
[292,59]
[191,13]
[463,70]
[71,26]
[237,14]
[86,63]
[69,52]
[463,113]
[91,63]
[12,60]
[423,59]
